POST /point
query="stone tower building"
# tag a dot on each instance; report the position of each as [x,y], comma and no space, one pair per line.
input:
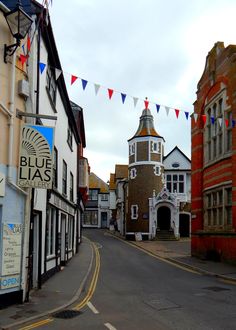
[146,173]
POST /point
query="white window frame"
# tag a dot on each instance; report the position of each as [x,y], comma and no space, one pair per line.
[217,137]
[134,212]
[51,232]
[70,232]
[178,181]
[157,170]
[133,173]
[132,149]
[155,147]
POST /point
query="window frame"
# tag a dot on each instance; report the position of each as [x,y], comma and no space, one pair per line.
[51,84]
[134,212]
[71,187]
[64,177]
[55,167]
[50,232]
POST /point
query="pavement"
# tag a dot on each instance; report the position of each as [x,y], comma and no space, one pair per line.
[66,286]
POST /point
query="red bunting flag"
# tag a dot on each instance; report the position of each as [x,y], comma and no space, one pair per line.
[23,59]
[73,79]
[146,103]
[110,92]
[226,122]
[204,117]
[177,113]
[28,44]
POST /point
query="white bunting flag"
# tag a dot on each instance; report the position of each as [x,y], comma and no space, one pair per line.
[167,110]
[195,116]
[57,73]
[135,101]
[97,87]
[220,121]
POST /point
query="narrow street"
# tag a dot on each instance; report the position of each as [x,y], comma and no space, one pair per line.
[137,291]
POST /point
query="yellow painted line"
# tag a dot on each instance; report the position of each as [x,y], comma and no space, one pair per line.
[84,302]
[37,324]
[93,284]
[158,257]
[228,281]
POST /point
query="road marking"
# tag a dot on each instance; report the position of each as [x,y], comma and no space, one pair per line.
[36,324]
[185,268]
[227,281]
[109,326]
[93,309]
[93,282]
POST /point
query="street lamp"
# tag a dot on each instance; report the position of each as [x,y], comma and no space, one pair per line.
[19,24]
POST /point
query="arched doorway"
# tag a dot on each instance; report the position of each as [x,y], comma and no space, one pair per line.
[184,225]
[163,218]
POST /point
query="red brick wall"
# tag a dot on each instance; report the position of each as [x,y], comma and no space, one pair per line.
[221,63]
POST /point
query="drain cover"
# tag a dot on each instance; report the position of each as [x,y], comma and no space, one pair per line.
[216,288]
[66,314]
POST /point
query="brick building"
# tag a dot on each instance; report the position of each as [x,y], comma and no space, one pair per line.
[214,158]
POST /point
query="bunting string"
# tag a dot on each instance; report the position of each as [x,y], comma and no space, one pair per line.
[110,93]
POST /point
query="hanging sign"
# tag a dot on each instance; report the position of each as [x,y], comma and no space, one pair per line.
[36,157]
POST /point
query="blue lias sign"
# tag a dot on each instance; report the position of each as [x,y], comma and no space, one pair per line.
[36,157]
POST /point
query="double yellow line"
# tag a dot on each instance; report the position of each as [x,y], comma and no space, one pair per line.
[90,293]
[93,282]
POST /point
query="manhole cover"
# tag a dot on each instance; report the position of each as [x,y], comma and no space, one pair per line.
[216,288]
[66,314]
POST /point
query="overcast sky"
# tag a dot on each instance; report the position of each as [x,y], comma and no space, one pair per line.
[142,48]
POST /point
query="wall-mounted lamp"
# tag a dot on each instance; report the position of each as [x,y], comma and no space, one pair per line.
[19,23]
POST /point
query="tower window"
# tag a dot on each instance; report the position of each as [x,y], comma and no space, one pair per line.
[155,147]
[133,173]
[157,170]
[132,149]
[134,212]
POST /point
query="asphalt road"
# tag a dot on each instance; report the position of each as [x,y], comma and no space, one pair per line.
[136,291]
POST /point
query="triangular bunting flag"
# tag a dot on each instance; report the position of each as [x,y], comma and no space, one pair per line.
[97,87]
[195,117]
[158,107]
[186,114]
[177,113]
[233,123]
[167,110]
[23,48]
[73,79]
[220,121]
[135,101]
[110,92]
[212,120]
[123,97]
[57,73]
[204,117]
[42,67]
[226,122]
[84,83]
[28,44]
[23,59]
[146,103]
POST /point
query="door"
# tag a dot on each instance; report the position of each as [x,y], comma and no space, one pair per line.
[163,218]
[184,225]
[104,219]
